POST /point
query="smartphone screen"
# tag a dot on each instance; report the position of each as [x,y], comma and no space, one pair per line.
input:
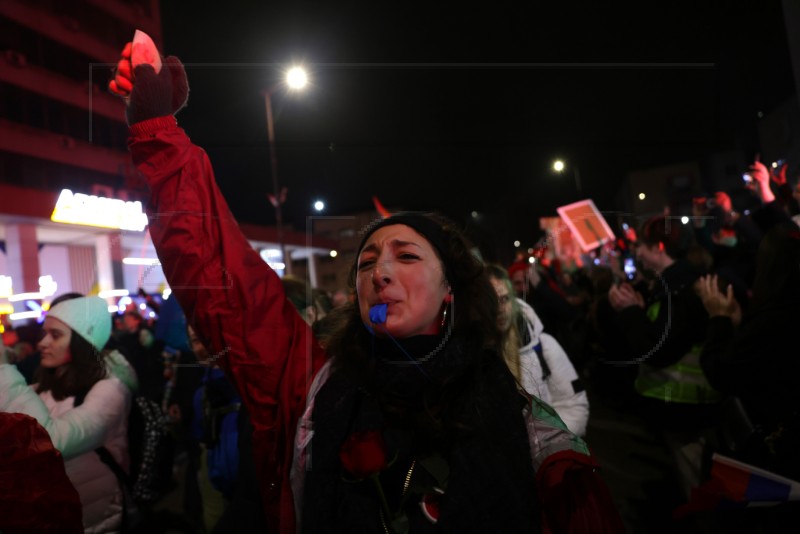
[630,268]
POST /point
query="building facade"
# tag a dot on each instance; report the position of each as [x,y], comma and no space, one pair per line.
[71,202]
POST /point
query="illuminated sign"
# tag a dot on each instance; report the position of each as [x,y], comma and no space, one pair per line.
[90,210]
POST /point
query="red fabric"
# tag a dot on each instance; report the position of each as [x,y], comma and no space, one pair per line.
[574,499]
[35,493]
[517,266]
[364,454]
[234,301]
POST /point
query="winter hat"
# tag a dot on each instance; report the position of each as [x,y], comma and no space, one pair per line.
[424,225]
[87,316]
[516,267]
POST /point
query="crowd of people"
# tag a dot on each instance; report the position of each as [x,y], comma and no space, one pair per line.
[437,392]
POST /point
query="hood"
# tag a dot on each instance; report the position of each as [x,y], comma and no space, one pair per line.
[532,319]
[118,366]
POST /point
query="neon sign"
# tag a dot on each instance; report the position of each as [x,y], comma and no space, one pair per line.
[91,210]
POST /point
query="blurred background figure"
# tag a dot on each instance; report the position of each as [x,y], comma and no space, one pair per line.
[535,358]
[664,327]
[28,365]
[74,365]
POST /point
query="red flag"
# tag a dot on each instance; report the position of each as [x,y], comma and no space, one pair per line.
[383,212]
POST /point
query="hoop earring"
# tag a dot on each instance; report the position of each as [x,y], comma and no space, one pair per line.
[444,312]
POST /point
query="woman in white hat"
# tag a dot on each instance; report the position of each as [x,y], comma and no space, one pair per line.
[74,365]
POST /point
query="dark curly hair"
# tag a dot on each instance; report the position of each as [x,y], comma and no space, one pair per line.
[452,399]
[474,297]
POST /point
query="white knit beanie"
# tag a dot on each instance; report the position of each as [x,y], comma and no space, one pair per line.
[87,316]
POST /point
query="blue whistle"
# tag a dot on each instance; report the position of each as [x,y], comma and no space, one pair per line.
[377,313]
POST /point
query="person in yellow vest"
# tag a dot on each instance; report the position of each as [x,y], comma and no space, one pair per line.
[663,327]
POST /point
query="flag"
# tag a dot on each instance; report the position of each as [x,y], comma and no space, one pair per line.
[735,484]
[383,212]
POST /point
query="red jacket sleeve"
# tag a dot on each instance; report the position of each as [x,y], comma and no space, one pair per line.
[232,298]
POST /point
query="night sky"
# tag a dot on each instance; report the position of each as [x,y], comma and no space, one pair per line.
[416,103]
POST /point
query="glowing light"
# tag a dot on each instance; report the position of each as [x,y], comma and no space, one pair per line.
[6,308]
[319,205]
[141,261]
[26,296]
[124,301]
[25,315]
[276,265]
[47,286]
[531,260]
[516,243]
[113,293]
[642,196]
[474,214]
[166,293]
[143,306]
[91,210]
[270,255]
[151,314]
[5,286]
[558,165]
[296,78]
[334,253]
[685,219]
[113,309]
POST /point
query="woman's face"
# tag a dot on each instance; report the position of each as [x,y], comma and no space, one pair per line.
[400,268]
[54,345]
[505,302]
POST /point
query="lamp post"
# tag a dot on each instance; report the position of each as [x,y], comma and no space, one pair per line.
[295,79]
[558,166]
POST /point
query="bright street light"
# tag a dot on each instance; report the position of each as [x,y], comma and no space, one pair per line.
[295,78]
[559,166]
[319,205]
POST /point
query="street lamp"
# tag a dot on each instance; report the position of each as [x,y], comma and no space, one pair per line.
[296,78]
[559,166]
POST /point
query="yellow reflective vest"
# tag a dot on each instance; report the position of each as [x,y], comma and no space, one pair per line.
[682,381]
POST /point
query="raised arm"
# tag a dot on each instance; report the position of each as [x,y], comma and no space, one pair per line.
[232,298]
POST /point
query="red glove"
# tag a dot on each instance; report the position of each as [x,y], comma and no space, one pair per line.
[147,94]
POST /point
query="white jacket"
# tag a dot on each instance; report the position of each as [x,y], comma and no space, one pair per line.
[558,389]
[101,420]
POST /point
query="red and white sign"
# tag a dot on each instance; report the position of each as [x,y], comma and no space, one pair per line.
[587,224]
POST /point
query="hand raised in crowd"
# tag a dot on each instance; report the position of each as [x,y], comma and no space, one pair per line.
[779,177]
[533,275]
[623,296]
[761,176]
[716,303]
[149,94]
